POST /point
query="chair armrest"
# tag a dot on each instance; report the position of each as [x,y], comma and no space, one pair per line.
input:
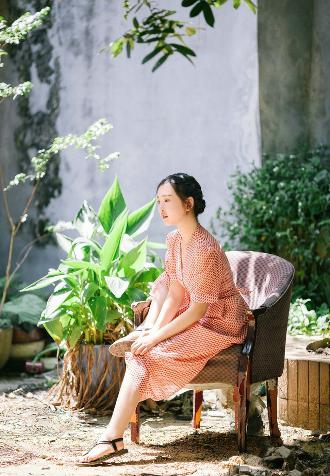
[140,309]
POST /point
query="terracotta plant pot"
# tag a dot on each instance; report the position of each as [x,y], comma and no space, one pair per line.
[90,380]
[22,337]
[6,336]
[26,350]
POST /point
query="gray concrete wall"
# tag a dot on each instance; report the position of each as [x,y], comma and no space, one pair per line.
[202,119]
[294,66]
[319,95]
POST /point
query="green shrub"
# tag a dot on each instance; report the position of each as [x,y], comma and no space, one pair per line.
[303,320]
[283,208]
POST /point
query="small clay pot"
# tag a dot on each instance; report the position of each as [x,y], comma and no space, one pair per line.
[22,337]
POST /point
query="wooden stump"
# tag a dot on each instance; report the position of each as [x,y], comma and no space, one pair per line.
[304,387]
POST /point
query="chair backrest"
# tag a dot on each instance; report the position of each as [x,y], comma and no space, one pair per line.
[269,281]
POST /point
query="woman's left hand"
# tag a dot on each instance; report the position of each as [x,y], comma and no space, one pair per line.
[143,344]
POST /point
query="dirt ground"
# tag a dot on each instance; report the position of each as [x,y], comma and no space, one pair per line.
[39,439]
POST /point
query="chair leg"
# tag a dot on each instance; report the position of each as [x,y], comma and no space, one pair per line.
[236,406]
[242,402]
[135,425]
[271,389]
[197,408]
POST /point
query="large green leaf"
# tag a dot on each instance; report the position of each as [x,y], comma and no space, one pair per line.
[116,285]
[138,222]
[54,302]
[86,221]
[113,316]
[113,204]
[55,329]
[99,309]
[64,242]
[111,246]
[74,336]
[133,261]
[79,265]
[82,248]
[44,281]
[147,275]
[156,246]
[89,290]
[135,294]
[25,309]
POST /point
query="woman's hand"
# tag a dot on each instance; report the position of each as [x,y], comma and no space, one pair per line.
[143,344]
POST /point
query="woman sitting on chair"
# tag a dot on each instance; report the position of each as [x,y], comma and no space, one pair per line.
[196,311]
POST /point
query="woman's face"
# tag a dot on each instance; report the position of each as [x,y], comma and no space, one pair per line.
[171,208]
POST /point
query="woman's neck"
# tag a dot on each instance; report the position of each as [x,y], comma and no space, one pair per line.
[187,229]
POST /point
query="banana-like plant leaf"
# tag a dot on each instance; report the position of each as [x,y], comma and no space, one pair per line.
[133,261]
[139,221]
[146,276]
[64,242]
[111,246]
[55,330]
[86,221]
[79,265]
[113,204]
[117,285]
[99,309]
[156,246]
[135,294]
[44,281]
[81,248]
[112,316]
[127,243]
[54,303]
[74,336]
[89,290]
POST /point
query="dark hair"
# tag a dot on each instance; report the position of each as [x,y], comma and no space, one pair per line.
[186,186]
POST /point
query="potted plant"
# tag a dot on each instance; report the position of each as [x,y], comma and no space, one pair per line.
[20,337]
[105,270]
[6,336]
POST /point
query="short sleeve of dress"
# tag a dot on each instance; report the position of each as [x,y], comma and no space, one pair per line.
[169,273]
[204,276]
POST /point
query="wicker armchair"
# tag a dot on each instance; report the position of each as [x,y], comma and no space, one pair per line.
[261,358]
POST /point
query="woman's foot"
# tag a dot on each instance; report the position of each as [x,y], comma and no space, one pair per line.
[100,450]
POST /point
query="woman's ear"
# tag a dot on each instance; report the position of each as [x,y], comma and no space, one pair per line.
[189,204]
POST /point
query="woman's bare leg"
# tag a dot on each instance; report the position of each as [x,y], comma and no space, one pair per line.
[128,397]
[126,404]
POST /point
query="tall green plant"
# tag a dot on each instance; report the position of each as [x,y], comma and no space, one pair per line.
[104,271]
[283,208]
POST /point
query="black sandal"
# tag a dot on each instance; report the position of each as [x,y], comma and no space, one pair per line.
[114,453]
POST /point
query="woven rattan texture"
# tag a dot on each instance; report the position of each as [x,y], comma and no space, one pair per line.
[268,278]
[269,346]
[221,368]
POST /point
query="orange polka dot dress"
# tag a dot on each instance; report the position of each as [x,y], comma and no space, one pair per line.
[206,277]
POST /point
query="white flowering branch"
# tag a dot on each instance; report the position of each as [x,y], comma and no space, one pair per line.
[13,35]
[39,165]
